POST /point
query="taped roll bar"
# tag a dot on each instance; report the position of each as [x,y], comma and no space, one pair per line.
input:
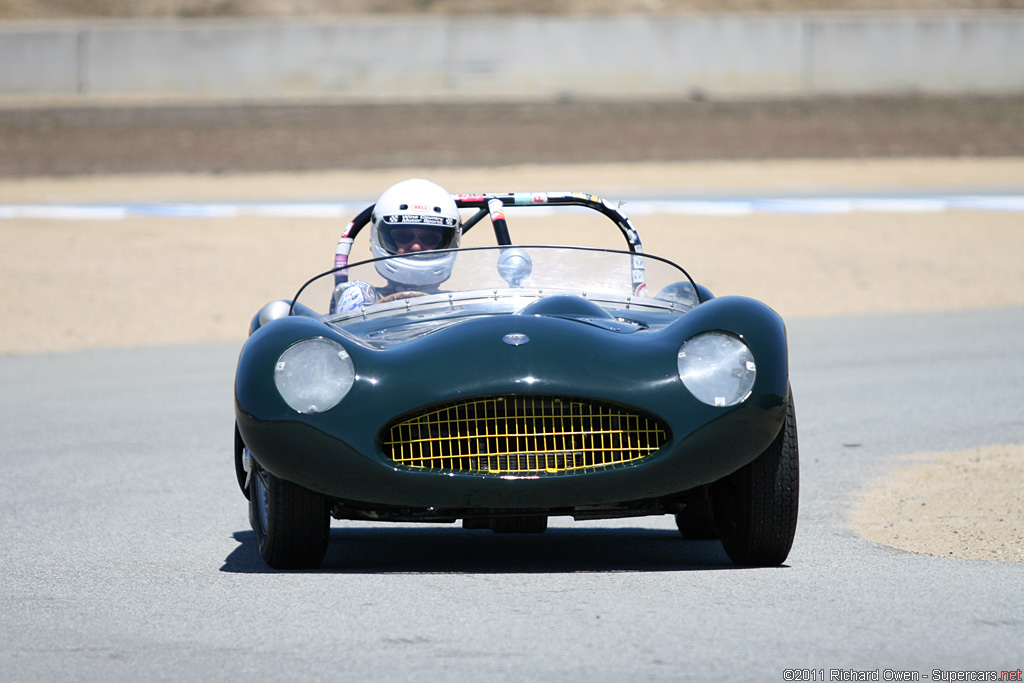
[482,202]
[492,205]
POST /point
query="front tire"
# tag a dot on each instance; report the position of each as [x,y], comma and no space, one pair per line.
[756,506]
[696,521]
[292,525]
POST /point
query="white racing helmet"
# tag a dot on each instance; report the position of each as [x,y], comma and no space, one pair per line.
[415,217]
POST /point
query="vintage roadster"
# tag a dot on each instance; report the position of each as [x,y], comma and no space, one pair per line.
[535,381]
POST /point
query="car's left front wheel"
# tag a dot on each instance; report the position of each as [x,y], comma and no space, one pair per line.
[292,525]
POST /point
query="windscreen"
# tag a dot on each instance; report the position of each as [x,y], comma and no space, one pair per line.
[514,274]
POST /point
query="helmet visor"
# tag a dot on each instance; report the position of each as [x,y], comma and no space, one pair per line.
[402,233]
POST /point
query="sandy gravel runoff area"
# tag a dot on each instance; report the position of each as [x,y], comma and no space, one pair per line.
[71,284]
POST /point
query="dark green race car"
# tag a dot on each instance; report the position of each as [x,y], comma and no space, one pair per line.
[535,381]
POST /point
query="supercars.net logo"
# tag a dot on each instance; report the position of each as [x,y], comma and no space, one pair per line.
[896,675]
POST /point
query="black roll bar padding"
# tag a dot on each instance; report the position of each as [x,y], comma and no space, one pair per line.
[473,220]
[559,199]
[479,202]
[360,221]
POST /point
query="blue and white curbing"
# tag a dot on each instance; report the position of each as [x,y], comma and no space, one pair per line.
[638,207]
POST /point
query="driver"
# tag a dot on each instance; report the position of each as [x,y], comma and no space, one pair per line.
[414,217]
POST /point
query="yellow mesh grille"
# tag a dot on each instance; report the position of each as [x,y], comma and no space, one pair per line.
[523,434]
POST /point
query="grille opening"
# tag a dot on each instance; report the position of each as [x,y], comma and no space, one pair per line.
[523,434]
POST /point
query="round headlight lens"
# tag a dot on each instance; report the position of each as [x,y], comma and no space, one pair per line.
[314,375]
[717,368]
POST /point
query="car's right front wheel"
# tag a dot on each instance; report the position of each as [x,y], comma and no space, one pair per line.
[756,507]
[292,525]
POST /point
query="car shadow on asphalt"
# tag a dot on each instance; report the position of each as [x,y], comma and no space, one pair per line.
[434,550]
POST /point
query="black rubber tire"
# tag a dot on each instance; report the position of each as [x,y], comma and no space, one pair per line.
[240,473]
[756,507]
[294,528]
[696,522]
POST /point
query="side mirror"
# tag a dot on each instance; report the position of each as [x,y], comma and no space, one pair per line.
[514,266]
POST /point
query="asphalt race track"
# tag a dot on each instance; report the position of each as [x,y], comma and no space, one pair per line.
[127,555]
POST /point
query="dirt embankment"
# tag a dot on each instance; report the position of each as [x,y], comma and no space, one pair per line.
[262,137]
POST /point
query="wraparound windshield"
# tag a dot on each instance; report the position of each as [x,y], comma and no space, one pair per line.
[495,280]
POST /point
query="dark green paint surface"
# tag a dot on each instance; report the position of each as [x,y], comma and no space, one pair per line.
[337,453]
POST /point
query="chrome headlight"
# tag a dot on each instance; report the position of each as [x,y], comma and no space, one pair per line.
[717,368]
[314,375]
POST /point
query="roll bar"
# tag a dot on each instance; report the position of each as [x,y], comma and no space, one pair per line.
[491,205]
[488,205]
